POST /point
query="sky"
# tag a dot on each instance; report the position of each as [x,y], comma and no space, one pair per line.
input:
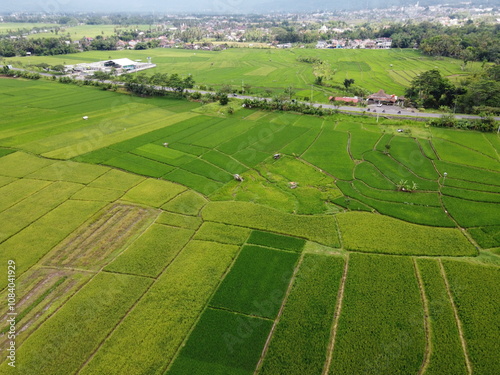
[199,6]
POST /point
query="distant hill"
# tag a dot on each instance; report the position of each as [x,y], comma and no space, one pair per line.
[220,6]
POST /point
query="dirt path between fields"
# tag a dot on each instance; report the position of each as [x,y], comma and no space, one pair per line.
[457,319]
[427,328]
[278,317]
[338,310]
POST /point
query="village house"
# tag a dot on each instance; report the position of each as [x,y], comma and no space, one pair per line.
[381,97]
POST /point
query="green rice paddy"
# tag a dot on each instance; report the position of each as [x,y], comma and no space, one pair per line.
[136,258]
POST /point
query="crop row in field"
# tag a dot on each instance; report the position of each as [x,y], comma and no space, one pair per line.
[407,152]
[35,206]
[222,343]
[79,326]
[418,214]
[164,316]
[153,193]
[17,190]
[445,351]
[396,172]
[152,251]
[329,152]
[470,213]
[96,242]
[467,173]
[276,241]
[222,233]
[179,220]
[479,316]
[309,308]
[487,237]
[187,203]
[40,292]
[371,176]
[257,282]
[376,233]
[361,141]
[321,228]
[381,326]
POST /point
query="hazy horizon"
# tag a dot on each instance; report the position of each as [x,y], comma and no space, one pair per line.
[205,6]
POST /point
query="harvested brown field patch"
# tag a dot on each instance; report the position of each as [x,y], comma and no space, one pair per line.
[41,291]
[94,243]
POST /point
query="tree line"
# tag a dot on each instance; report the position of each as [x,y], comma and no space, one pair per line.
[478,94]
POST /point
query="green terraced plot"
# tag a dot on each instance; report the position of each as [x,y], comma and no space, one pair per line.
[153,192]
[329,152]
[446,354]
[371,176]
[276,241]
[381,326]
[486,237]
[199,183]
[471,214]
[118,180]
[222,233]
[187,203]
[413,213]
[479,317]
[309,309]
[81,324]
[20,164]
[257,282]
[164,316]
[178,220]
[375,233]
[18,190]
[151,252]
[223,343]
[139,165]
[319,228]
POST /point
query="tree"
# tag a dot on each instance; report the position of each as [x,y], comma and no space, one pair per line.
[431,90]
[58,68]
[223,98]
[319,81]
[226,89]
[289,91]
[348,82]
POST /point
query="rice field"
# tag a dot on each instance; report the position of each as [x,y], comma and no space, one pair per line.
[270,68]
[132,239]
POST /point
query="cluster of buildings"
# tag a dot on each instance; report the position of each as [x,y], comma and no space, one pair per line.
[119,66]
[379,43]
[378,98]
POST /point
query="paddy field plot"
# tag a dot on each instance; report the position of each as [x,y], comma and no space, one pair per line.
[132,239]
[277,69]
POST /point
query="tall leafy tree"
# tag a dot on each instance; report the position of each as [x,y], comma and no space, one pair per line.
[431,90]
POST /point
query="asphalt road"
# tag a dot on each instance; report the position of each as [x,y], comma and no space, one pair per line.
[371,110]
